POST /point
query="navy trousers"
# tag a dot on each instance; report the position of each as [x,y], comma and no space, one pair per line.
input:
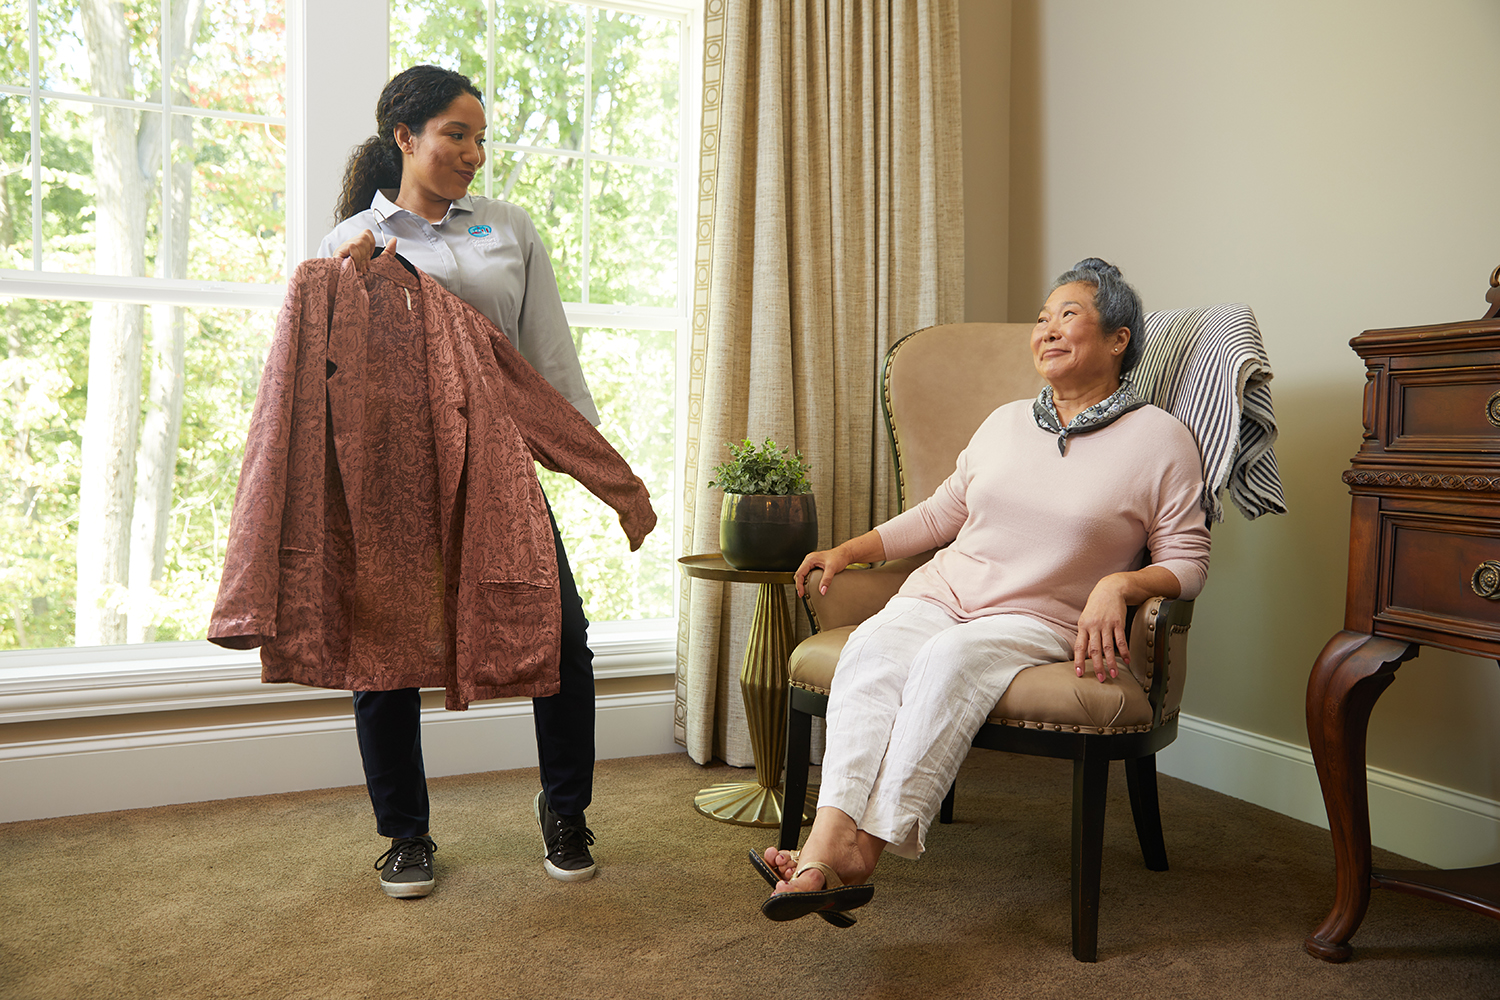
[388,724]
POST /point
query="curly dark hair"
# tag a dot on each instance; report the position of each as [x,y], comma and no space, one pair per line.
[411,98]
[1118,303]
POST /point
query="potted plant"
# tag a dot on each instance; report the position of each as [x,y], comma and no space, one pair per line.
[769,520]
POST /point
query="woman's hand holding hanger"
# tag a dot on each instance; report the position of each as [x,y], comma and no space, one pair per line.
[361,249]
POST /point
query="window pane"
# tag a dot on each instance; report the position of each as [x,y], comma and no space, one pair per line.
[43,399]
[15,182]
[239,60]
[633,235]
[67,186]
[550,189]
[65,50]
[446,33]
[635,85]
[538,99]
[224,352]
[15,45]
[236,177]
[110,232]
[41,409]
[632,374]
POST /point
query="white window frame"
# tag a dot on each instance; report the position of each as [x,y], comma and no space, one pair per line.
[335,47]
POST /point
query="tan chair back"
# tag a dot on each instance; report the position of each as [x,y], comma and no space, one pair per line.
[937,387]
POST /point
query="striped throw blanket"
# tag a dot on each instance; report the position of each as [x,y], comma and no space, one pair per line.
[1208,368]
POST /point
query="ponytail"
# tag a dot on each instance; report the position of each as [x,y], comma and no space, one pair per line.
[374,164]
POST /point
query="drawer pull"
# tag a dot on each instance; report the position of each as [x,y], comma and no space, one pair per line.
[1486,581]
[1492,409]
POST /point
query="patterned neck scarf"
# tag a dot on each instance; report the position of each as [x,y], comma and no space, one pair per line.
[1101,414]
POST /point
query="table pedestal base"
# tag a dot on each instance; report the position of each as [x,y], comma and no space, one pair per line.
[749,803]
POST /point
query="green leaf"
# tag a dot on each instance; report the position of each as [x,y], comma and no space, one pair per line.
[768,469]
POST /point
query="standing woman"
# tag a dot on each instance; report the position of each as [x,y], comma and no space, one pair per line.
[410,182]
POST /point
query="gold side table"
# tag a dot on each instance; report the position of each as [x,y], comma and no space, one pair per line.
[763,680]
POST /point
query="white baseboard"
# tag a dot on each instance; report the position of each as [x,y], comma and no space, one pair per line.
[1429,823]
[133,770]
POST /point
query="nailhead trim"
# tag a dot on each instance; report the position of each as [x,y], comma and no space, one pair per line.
[1057,727]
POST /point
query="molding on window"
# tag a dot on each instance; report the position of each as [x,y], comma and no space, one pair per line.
[143,289]
[91,681]
[660,8]
[624,317]
[589,157]
[154,107]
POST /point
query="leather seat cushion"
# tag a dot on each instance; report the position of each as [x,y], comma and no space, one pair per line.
[1046,696]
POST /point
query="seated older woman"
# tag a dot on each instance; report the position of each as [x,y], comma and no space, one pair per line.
[1047,522]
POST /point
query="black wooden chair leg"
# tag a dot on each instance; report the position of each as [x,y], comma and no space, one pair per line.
[1090,782]
[798,760]
[1140,776]
[945,813]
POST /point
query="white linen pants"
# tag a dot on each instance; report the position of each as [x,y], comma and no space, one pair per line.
[913,686]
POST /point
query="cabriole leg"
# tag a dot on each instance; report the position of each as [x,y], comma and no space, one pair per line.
[1348,677]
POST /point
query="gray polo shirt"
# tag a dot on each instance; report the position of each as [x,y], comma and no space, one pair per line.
[489,254]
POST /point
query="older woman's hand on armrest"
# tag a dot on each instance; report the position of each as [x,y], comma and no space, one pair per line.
[1101,628]
[866,548]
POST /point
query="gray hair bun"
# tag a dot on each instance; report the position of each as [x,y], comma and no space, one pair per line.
[1096,264]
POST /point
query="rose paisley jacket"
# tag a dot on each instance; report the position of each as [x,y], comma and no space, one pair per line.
[389,530]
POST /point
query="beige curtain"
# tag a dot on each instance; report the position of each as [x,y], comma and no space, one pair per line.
[830,225]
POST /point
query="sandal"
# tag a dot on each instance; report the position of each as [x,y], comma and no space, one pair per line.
[835,897]
[837,918]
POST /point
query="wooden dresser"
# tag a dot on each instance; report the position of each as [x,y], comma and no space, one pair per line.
[1424,570]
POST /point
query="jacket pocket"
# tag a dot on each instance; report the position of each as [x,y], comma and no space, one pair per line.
[518,628]
[298,594]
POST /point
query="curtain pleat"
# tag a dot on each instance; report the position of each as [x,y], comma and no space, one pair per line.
[830,225]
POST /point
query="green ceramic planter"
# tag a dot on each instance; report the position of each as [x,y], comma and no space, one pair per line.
[760,531]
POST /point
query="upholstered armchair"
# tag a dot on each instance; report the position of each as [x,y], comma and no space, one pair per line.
[938,385]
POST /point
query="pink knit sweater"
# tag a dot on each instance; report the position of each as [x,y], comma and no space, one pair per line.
[1032,531]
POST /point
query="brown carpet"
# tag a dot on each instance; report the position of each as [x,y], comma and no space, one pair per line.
[274,897]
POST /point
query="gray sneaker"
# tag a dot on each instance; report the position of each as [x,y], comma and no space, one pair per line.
[566,841]
[406,869]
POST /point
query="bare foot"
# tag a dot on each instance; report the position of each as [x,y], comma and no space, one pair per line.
[835,842]
[781,862]
[809,881]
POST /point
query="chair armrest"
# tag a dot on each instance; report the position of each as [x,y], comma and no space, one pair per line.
[1158,652]
[856,594]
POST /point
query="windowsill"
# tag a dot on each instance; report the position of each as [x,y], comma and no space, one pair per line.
[78,682]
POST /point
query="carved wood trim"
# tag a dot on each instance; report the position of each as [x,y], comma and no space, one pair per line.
[1423,480]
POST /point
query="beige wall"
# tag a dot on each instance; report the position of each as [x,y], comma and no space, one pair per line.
[1333,164]
[984,60]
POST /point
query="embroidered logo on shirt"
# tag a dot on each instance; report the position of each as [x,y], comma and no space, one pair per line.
[479,232]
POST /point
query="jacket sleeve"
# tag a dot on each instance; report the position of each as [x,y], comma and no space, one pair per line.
[244,614]
[563,440]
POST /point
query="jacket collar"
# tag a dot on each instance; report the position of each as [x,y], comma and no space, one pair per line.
[388,267]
